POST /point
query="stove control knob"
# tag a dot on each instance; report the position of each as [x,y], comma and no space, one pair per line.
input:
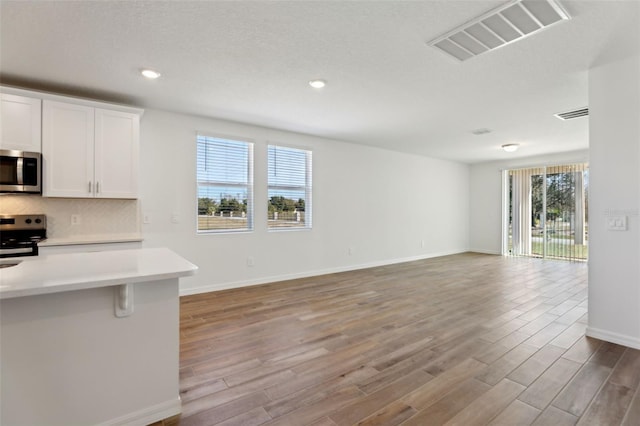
[28,221]
[38,220]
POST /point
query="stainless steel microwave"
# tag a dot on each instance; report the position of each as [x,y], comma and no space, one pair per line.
[20,172]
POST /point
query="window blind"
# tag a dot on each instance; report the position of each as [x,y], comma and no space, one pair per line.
[225,184]
[289,188]
[548,212]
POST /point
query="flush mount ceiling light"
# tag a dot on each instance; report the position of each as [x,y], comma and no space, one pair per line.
[317,84]
[510,147]
[150,74]
[501,26]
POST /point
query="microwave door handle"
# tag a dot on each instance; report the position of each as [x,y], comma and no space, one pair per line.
[20,171]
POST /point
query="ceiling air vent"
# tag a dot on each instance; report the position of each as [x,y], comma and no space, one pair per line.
[576,113]
[499,27]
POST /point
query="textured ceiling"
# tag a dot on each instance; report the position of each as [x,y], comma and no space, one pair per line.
[250,61]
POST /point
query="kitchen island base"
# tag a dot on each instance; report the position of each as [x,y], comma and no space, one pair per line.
[67,359]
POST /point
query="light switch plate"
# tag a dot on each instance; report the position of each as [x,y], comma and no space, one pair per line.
[617,223]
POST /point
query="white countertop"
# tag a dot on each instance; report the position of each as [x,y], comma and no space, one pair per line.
[90,239]
[56,273]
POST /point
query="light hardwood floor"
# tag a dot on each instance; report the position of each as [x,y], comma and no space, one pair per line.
[467,339]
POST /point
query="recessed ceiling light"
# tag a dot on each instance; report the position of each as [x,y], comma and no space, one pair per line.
[317,84]
[510,147]
[150,74]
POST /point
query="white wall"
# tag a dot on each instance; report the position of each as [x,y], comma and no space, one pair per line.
[485,218]
[614,275]
[380,203]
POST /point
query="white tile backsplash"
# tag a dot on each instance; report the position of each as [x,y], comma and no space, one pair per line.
[97,216]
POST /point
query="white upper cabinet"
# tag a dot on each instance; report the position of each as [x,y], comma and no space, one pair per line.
[67,150]
[20,123]
[116,154]
[89,152]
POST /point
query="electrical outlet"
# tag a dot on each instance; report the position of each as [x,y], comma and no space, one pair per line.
[351,250]
[146,219]
[175,218]
[251,261]
[617,223]
[76,219]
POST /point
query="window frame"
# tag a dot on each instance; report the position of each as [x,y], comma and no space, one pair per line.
[250,185]
[307,187]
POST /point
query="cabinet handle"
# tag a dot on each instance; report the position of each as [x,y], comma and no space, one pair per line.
[97,187]
[90,186]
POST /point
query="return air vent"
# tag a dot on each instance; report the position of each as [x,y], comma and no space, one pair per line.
[499,27]
[576,113]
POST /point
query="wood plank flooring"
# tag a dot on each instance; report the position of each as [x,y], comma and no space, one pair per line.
[467,339]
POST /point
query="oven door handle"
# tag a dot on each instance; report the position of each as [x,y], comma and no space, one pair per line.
[20,252]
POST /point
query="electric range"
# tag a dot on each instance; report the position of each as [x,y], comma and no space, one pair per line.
[20,234]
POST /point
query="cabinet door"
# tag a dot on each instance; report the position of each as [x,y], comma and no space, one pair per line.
[116,155]
[67,150]
[20,121]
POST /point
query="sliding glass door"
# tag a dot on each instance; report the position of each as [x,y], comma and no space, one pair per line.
[547,212]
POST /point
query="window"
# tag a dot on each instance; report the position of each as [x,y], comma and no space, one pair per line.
[289,180]
[225,185]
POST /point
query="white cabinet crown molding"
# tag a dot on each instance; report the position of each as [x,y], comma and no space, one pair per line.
[70,99]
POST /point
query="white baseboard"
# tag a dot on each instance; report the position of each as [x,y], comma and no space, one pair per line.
[148,415]
[306,274]
[609,336]
[483,251]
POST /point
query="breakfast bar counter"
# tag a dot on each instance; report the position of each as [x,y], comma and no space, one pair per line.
[91,338]
[77,271]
